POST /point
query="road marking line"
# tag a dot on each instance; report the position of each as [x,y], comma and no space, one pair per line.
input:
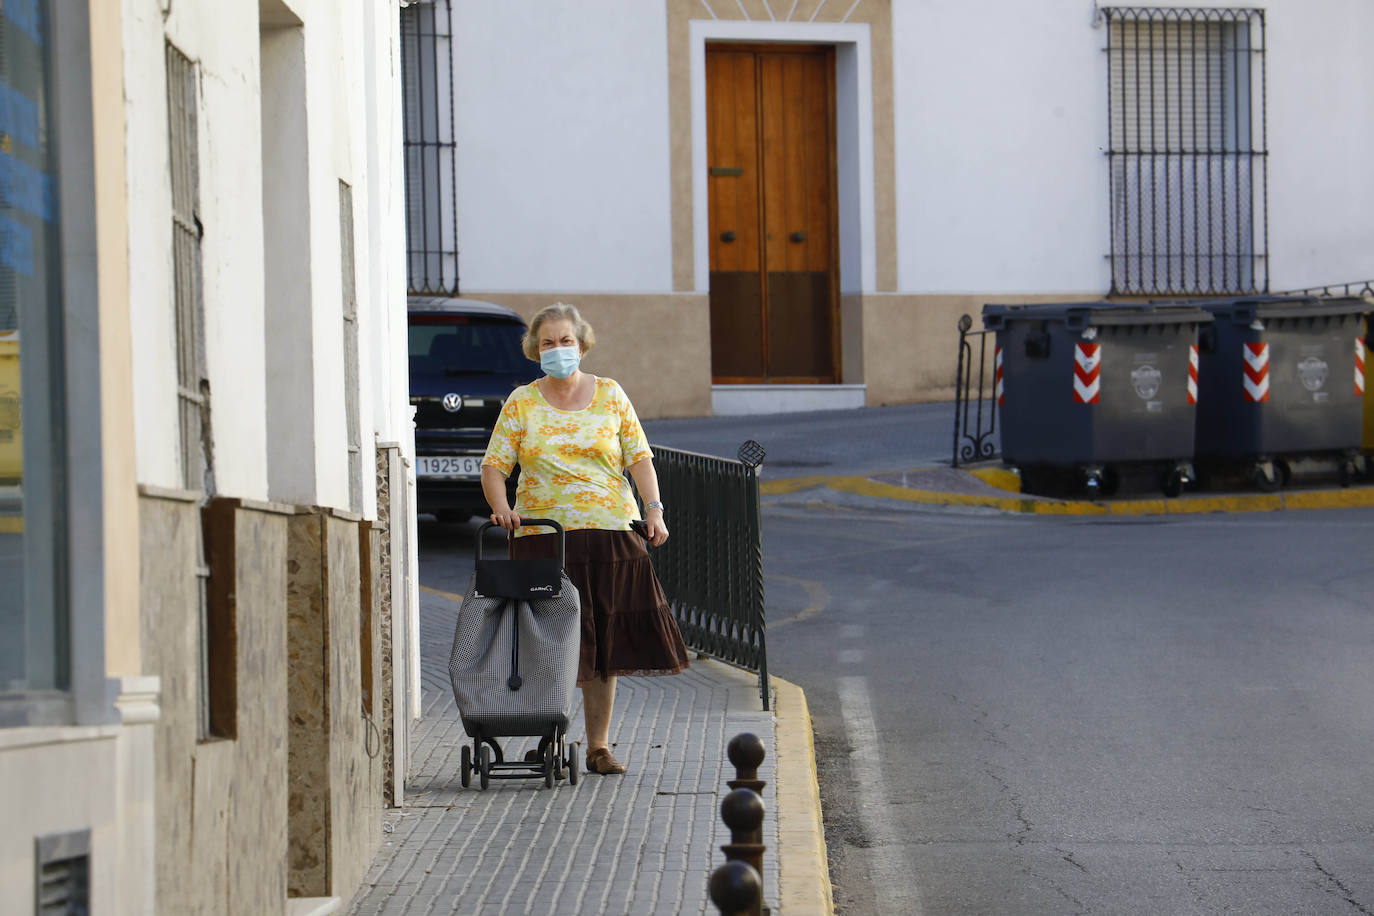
[886,861]
[817,599]
[852,631]
[851,656]
[451,596]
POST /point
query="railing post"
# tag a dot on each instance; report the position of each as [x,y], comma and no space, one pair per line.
[960,390]
[751,455]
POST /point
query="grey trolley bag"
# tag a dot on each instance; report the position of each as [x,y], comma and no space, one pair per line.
[514,663]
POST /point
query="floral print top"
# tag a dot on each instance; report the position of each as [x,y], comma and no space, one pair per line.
[572,462]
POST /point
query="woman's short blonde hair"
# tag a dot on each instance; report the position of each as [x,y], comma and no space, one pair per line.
[559,311]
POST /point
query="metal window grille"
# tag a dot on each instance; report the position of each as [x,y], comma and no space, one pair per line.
[350,338]
[430,148]
[1187,154]
[193,386]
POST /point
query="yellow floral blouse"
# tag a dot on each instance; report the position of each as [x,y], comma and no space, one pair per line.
[572,462]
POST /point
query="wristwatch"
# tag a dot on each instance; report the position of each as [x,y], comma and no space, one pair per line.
[654,504]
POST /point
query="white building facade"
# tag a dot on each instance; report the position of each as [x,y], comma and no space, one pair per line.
[779,204]
[208,531]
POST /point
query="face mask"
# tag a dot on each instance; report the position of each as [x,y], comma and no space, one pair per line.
[560,362]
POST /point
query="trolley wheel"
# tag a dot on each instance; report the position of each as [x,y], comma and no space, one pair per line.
[465,774]
[1265,477]
[1172,483]
[572,764]
[549,753]
[485,766]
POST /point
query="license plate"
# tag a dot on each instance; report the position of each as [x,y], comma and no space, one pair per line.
[449,466]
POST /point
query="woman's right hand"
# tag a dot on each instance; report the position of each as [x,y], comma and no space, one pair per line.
[508,519]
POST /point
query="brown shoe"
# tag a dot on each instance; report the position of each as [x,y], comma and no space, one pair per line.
[601,762]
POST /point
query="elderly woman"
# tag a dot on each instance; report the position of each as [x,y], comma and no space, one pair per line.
[574,435]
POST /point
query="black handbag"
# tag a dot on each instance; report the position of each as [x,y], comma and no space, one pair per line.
[525,580]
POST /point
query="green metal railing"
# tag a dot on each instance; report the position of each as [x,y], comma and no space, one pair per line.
[712,566]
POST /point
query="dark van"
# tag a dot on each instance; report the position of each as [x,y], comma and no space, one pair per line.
[465,359]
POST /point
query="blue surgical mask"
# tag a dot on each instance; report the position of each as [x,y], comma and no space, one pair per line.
[560,362]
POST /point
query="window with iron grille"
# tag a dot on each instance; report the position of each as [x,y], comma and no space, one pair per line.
[353,422]
[430,148]
[193,385]
[1188,161]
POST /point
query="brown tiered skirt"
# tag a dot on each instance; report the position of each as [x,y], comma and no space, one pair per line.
[627,625]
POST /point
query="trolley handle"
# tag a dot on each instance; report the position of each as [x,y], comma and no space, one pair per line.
[525,523]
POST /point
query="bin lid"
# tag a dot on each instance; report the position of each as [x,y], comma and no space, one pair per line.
[1246,309]
[1077,316]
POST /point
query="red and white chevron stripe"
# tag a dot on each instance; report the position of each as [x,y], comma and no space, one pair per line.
[1192,374]
[1256,372]
[1087,373]
[998,390]
[1359,368]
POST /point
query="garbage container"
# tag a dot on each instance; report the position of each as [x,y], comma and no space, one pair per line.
[1281,378]
[1093,388]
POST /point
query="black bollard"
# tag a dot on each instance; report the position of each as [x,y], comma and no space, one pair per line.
[742,811]
[736,889]
[746,752]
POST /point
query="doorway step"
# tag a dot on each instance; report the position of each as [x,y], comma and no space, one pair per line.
[739,400]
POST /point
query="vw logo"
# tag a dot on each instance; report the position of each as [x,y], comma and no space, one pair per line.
[453,402]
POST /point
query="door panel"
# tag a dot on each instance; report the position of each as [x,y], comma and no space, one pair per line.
[799,340]
[770,130]
[736,324]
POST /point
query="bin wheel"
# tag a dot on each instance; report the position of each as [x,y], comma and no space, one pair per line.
[1266,478]
[1172,484]
[484,770]
[465,772]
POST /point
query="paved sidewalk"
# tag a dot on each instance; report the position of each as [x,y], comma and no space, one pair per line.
[643,843]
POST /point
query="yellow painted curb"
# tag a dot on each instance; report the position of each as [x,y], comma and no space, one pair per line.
[12,525]
[803,867]
[451,596]
[1001,478]
[1349,497]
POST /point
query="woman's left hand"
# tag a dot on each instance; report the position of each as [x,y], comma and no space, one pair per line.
[657,531]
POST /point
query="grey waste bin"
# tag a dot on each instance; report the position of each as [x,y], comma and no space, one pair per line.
[1281,379]
[1097,387]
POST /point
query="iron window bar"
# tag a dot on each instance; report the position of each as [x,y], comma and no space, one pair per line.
[430,147]
[1188,162]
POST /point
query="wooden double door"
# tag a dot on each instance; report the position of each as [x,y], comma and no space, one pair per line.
[770,137]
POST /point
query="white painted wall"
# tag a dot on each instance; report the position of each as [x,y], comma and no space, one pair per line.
[1001,119]
[224,43]
[353,127]
[1320,83]
[1000,112]
[562,117]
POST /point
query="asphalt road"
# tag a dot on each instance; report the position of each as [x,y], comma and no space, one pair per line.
[1055,716]
[1037,715]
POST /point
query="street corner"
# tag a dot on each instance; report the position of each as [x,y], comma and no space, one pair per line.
[804,871]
